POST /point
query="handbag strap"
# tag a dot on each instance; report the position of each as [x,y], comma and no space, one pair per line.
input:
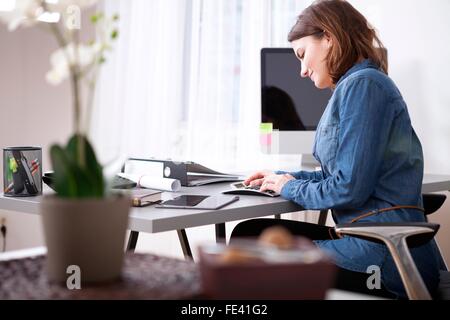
[367,214]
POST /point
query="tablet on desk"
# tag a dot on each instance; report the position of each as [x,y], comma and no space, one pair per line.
[198,202]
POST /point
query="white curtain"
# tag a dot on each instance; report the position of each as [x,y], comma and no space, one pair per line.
[183,79]
[140,90]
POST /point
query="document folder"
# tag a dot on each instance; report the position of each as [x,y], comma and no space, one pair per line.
[189,173]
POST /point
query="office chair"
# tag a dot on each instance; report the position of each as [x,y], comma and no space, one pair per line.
[398,237]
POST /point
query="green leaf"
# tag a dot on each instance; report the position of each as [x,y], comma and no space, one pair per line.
[114,34]
[90,173]
[85,188]
[96,17]
[116,17]
[65,176]
[75,178]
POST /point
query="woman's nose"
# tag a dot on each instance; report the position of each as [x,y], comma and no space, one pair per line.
[304,71]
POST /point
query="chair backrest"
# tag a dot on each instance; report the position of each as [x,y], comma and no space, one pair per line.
[432,202]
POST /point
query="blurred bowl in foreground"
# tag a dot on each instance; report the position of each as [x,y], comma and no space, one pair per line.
[250,269]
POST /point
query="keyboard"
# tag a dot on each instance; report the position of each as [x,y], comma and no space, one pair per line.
[241,188]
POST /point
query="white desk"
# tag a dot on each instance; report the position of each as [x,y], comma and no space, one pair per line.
[153,220]
[435,183]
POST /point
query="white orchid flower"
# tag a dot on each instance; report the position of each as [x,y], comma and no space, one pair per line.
[61,5]
[81,62]
[61,61]
[25,13]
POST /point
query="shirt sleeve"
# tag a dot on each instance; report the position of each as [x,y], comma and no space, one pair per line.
[304,175]
[365,120]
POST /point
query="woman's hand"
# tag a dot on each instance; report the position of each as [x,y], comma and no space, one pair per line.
[256,179]
[275,182]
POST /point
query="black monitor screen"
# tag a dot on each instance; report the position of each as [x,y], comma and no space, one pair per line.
[289,101]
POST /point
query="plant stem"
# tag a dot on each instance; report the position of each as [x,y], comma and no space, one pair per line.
[76,100]
[93,82]
[62,42]
[76,72]
[90,102]
[75,84]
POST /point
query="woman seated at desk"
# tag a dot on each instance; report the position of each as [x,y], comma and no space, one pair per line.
[370,156]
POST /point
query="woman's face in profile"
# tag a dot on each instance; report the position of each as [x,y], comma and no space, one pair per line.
[312,53]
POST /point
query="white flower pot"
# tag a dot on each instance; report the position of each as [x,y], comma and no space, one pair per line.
[88,233]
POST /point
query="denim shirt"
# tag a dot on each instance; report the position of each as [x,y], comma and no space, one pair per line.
[371,158]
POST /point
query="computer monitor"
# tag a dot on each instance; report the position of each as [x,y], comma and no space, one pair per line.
[292,104]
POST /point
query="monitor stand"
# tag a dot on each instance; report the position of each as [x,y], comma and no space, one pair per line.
[308,162]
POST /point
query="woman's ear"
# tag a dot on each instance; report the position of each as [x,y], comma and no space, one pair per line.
[328,39]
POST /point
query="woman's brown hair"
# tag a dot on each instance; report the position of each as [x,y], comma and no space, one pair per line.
[352,36]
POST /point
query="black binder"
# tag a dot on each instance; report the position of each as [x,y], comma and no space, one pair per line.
[189,173]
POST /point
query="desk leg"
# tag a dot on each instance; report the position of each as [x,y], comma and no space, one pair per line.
[132,240]
[322,217]
[185,244]
[220,233]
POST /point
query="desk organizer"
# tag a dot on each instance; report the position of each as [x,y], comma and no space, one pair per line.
[22,171]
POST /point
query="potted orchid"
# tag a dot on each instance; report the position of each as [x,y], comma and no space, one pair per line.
[84,225]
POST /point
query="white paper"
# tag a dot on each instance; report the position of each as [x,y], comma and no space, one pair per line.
[152,182]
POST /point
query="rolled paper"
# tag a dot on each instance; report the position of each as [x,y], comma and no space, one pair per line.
[152,182]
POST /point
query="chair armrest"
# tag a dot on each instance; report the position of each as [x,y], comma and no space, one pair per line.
[398,237]
[375,231]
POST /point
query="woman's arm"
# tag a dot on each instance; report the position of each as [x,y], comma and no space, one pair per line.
[304,175]
[366,115]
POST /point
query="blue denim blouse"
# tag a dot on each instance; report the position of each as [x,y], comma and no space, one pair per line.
[371,158]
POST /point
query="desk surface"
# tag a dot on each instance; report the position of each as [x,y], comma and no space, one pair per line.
[152,220]
[435,183]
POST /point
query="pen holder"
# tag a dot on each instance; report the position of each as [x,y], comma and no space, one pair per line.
[22,171]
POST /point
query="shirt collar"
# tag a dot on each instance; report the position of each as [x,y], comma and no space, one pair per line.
[366,63]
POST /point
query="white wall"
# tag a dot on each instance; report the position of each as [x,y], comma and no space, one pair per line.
[31,113]
[416,36]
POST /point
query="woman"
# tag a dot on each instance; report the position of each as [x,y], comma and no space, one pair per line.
[369,153]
